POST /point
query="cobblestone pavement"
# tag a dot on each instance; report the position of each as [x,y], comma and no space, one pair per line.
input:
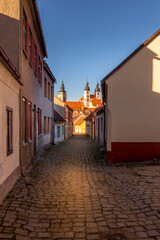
[72,194]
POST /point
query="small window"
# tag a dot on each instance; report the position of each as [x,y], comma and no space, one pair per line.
[51,94]
[45,125]
[29,120]
[38,67]
[9,131]
[39,121]
[45,88]
[24,32]
[58,131]
[24,120]
[35,59]
[48,124]
[30,46]
[49,91]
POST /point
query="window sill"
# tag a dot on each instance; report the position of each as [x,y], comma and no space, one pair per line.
[24,144]
[25,53]
[30,64]
[9,153]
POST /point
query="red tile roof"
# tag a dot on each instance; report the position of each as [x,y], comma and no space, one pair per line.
[94,112]
[95,102]
[74,105]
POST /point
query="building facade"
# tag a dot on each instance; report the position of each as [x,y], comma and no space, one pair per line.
[131,95]
[82,108]
[48,105]
[66,112]
[59,127]
[26,49]
[9,124]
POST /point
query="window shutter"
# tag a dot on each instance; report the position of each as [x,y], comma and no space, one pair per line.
[26,120]
[31,121]
[33,51]
[27,38]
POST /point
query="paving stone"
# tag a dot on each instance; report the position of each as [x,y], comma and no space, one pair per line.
[72,194]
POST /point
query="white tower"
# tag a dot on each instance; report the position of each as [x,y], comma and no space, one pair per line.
[62,93]
[97,91]
[86,95]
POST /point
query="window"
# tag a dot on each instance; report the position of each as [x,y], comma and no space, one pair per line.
[9,131]
[49,91]
[101,124]
[48,125]
[38,67]
[45,87]
[45,125]
[63,130]
[24,120]
[24,31]
[39,121]
[40,72]
[35,59]
[51,94]
[58,131]
[30,120]
[30,46]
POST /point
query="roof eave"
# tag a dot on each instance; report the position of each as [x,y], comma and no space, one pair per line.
[46,67]
[40,26]
[131,55]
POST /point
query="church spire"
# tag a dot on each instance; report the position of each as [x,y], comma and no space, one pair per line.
[97,91]
[87,95]
[62,95]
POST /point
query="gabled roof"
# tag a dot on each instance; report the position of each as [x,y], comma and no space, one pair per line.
[57,117]
[131,55]
[38,19]
[95,102]
[4,58]
[93,113]
[74,105]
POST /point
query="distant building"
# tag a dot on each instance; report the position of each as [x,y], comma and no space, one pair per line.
[62,93]
[95,124]
[59,127]
[48,105]
[84,107]
[66,112]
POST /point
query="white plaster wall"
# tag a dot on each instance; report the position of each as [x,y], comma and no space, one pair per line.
[9,97]
[134,97]
[61,138]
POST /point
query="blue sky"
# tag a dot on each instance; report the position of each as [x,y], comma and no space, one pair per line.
[88,38]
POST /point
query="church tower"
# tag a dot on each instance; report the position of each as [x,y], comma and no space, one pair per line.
[62,93]
[97,91]
[86,95]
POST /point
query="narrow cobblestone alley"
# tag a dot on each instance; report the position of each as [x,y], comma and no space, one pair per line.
[72,194]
